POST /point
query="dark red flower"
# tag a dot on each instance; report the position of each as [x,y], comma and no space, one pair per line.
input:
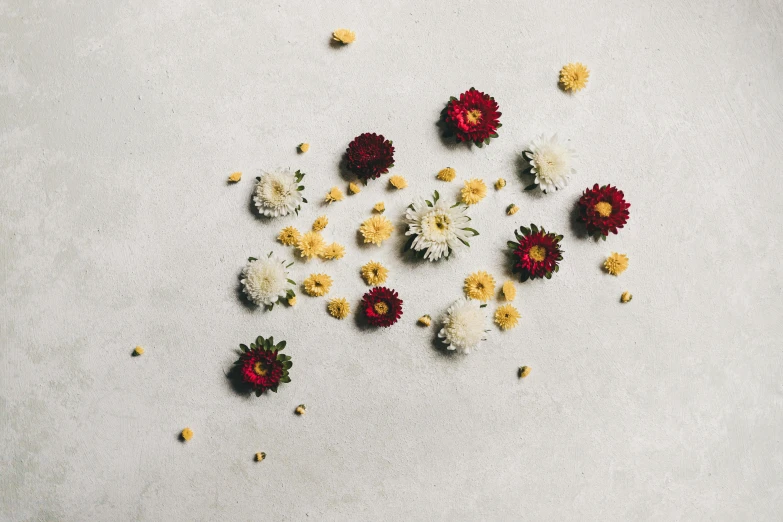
[474,117]
[370,155]
[382,306]
[536,253]
[603,210]
[262,367]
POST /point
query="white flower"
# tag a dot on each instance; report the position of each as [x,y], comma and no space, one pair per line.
[277,193]
[464,325]
[266,280]
[551,162]
[437,229]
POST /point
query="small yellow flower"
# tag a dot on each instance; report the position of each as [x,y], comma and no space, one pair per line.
[512,209]
[304,147]
[500,183]
[187,434]
[320,223]
[334,194]
[425,320]
[616,263]
[317,285]
[354,188]
[333,251]
[474,191]
[301,409]
[339,307]
[138,351]
[344,36]
[524,371]
[506,316]
[289,236]
[260,456]
[626,297]
[480,285]
[311,244]
[235,177]
[573,76]
[398,182]
[292,301]
[374,273]
[509,290]
[376,229]
[379,207]
[447,174]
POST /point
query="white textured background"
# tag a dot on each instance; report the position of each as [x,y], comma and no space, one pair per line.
[120,124]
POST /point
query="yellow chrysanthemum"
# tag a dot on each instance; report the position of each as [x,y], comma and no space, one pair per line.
[500,183]
[289,236]
[616,263]
[317,285]
[374,273]
[187,434]
[138,351]
[344,36]
[425,320]
[512,209]
[354,188]
[509,290]
[235,177]
[304,147]
[626,297]
[333,251]
[301,409]
[574,76]
[338,307]
[334,194]
[398,182]
[292,301]
[376,229]
[320,223]
[311,244]
[507,317]
[447,174]
[524,371]
[260,456]
[480,285]
[474,191]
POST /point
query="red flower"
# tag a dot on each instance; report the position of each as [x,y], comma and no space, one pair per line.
[474,117]
[603,210]
[370,155]
[262,367]
[537,252]
[382,306]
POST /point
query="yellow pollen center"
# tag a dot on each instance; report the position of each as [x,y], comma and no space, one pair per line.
[537,253]
[381,308]
[603,208]
[260,369]
[279,189]
[474,116]
[442,222]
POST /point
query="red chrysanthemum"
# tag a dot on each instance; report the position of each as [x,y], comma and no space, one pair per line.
[262,367]
[536,253]
[474,117]
[370,155]
[603,210]
[382,306]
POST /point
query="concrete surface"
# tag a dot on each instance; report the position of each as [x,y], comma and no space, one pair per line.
[120,124]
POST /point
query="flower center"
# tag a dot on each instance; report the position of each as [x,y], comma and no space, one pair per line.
[278,188]
[537,253]
[260,369]
[474,116]
[442,222]
[381,308]
[603,208]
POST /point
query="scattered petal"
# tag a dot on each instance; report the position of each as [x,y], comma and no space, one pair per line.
[524,371]
[425,320]
[138,351]
[260,456]
[235,177]
[398,182]
[509,290]
[334,194]
[354,188]
[292,301]
[344,36]
[500,183]
[512,209]
[300,410]
[186,434]
[379,207]
[626,297]
[304,147]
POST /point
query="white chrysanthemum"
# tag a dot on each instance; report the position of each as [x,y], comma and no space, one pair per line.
[464,326]
[551,162]
[265,280]
[277,193]
[438,229]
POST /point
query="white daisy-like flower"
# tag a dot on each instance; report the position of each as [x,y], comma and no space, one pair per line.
[437,228]
[278,192]
[464,325]
[265,281]
[551,162]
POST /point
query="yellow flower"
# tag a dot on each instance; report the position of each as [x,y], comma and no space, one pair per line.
[500,183]
[344,36]
[616,263]
[138,350]
[354,188]
[480,285]
[339,307]
[289,236]
[260,456]
[187,434]
[574,76]
[311,244]
[334,194]
[317,285]
[235,176]
[292,301]
[301,409]
[374,273]
[506,316]
[447,174]
[425,320]
[376,229]
[333,251]
[320,223]
[509,290]
[512,209]
[398,182]
[379,207]
[473,191]
[524,371]
[304,147]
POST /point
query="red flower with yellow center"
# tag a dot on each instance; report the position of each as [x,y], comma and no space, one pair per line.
[382,306]
[536,252]
[603,210]
[369,155]
[473,117]
[262,367]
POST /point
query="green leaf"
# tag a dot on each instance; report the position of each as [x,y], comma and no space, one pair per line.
[464,242]
[534,228]
[258,178]
[518,235]
[251,259]
[525,230]
[559,238]
[291,281]
[603,237]
[429,204]
[274,388]
[289,265]
[480,144]
[269,343]
[436,196]
[259,341]
[280,345]
[511,245]
[244,347]
[548,275]
[475,232]
[557,268]
[287,365]
[285,378]
[483,306]
[531,187]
